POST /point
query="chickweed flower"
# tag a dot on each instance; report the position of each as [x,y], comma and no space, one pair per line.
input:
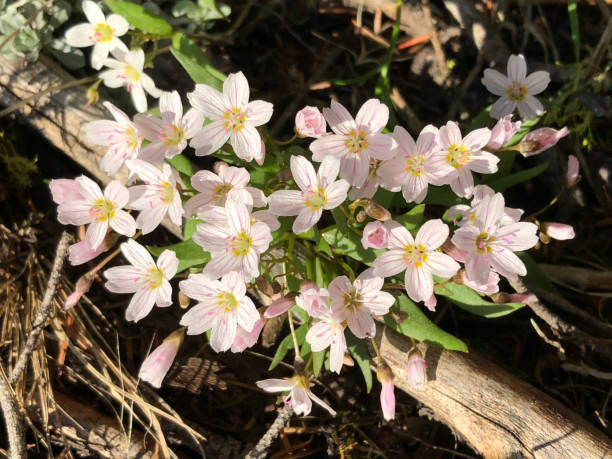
[300,397]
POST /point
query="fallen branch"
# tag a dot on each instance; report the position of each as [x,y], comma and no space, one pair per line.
[265,442]
[12,419]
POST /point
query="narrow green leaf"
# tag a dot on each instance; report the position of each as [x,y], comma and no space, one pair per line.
[419,327]
[191,225]
[471,301]
[441,196]
[320,277]
[188,253]
[195,62]
[359,351]
[413,218]
[349,245]
[503,183]
[287,344]
[572,9]
[140,18]
[182,164]
[318,359]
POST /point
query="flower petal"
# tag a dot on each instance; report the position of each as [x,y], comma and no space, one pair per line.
[373,115]
[339,119]
[140,305]
[419,283]
[432,234]
[259,112]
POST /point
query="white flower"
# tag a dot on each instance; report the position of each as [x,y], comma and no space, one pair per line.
[329,332]
[100,32]
[300,397]
[516,89]
[126,70]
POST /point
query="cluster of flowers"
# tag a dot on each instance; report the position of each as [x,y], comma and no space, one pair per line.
[355,159]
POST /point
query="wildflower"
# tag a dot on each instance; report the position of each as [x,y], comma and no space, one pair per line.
[144,277]
[464,155]
[490,243]
[313,300]
[502,132]
[371,184]
[418,257]
[300,397]
[121,136]
[516,89]
[541,139]
[358,301]
[168,135]
[223,306]
[329,332]
[355,141]
[375,236]
[155,367]
[309,122]
[573,171]
[235,245]
[245,339]
[127,70]
[82,252]
[214,189]
[157,197]
[414,166]
[462,214]
[319,191]
[100,32]
[233,117]
[387,392]
[558,231]
[99,210]
[417,368]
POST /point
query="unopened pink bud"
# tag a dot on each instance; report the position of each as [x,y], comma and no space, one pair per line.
[309,122]
[573,171]
[431,303]
[558,231]
[81,252]
[375,236]
[279,306]
[387,400]
[220,166]
[156,365]
[541,139]
[502,132]
[81,288]
[313,300]
[416,371]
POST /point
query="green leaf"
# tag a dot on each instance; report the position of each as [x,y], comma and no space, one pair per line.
[188,253]
[359,351]
[140,18]
[503,183]
[525,129]
[419,327]
[182,164]
[413,218]
[441,196]
[349,245]
[471,301]
[287,344]
[191,225]
[320,277]
[318,359]
[195,62]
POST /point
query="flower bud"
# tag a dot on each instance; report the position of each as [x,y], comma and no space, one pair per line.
[280,306]
[264,285]
[309,122]
[558,231]
[81,288]
[81,252]
[375,236]
[502,132]
[313,300]
[156,365]
[387,392]
[220,166]
[361,216]
[416,371]
[573,170]
[184,300]
[541,139]
[377,212]
[92,96]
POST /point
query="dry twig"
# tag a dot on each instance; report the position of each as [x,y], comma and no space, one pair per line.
[265,442]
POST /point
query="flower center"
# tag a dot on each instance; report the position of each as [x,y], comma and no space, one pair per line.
[301,381]
[516,92]
[102,210]
[131,137]
[166,192]
[458,156]
[356,141]
[103,32]
[227,301]
[316,198]
[484,242]
[241,244]
[171,134]
[131,74]
[415,255]
[234,120]
[220,193]
[155,276]
[415,165]
[353,300]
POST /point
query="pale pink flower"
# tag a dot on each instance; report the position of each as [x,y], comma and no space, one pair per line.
[358,301]
[375,236]
[236,245]
[313,300]
[516,89]
[319,191]
[121,136]
[309,122]
[431,303]
[300,397]
[558,231]
[462,214]
[573,171]
[541,139]
[168,136]
[490,243]
[416,374]
[127,70]
[489,288]
[155,367]
[355,141]
[81,252]
[157,197]
[415,165]
[214,189]
[223,306]
[100,32]
[370,186]
[464,155]
[233,117]
[145,278]
[279,306]
[329,332]
[64,190]
[418,257]
[245,339]
[502,132]
[81,288]
[100,210]
[387,400]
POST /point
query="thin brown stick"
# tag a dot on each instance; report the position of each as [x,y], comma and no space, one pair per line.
[46,306]
[12,419]
[265,442]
